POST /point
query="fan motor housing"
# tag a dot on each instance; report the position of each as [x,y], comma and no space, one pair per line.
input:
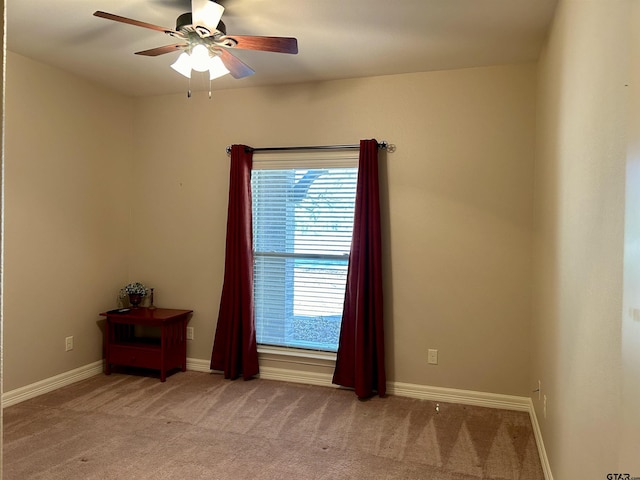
[185,22]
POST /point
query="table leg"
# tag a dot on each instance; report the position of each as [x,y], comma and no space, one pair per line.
[163,352]
[183,344]
[107,335]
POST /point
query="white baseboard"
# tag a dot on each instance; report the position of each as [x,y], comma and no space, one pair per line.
[197,365]
[295,376]
[423,392]
[465,397]
[53,383]
[537,433]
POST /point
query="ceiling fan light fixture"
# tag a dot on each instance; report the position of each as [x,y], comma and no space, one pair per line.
[200,61]
[204,42]
[183,65]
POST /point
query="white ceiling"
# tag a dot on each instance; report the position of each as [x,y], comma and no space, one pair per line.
[336,38]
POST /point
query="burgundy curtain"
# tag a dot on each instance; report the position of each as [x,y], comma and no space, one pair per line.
[235,350]
[360,359]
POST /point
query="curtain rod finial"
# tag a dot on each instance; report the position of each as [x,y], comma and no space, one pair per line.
[389,147]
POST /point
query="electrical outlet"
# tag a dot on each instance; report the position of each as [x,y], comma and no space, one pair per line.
[544,407]
[432,356]
[68,343]
[189,333]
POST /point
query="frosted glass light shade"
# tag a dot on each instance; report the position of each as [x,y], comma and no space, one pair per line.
[183,65]
[216,68]
[200,58]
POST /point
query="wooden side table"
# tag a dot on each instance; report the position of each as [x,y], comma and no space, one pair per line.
[125,346]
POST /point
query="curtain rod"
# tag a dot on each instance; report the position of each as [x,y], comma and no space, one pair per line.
[389,147]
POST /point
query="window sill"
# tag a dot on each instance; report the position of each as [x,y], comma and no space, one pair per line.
[297,353]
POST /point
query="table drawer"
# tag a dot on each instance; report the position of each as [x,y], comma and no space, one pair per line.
[144,357]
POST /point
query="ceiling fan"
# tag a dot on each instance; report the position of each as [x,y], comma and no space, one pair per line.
[203,39]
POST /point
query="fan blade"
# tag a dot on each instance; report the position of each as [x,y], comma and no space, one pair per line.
[266,44]
[118,18]
[154,52]
[207,14]
[236,67]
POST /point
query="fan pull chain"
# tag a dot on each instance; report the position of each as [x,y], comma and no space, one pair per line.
[189,91]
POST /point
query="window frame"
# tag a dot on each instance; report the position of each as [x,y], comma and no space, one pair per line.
[303,160]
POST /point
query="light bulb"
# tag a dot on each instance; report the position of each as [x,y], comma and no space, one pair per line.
[200,58]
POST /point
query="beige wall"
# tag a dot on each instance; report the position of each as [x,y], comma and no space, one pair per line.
[578,243]
[457,207]
[2,70]
[68,172]
[630,414]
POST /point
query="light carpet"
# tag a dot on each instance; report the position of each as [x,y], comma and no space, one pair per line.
[200,426]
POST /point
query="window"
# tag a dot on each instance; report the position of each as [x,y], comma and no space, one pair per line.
[302,226]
